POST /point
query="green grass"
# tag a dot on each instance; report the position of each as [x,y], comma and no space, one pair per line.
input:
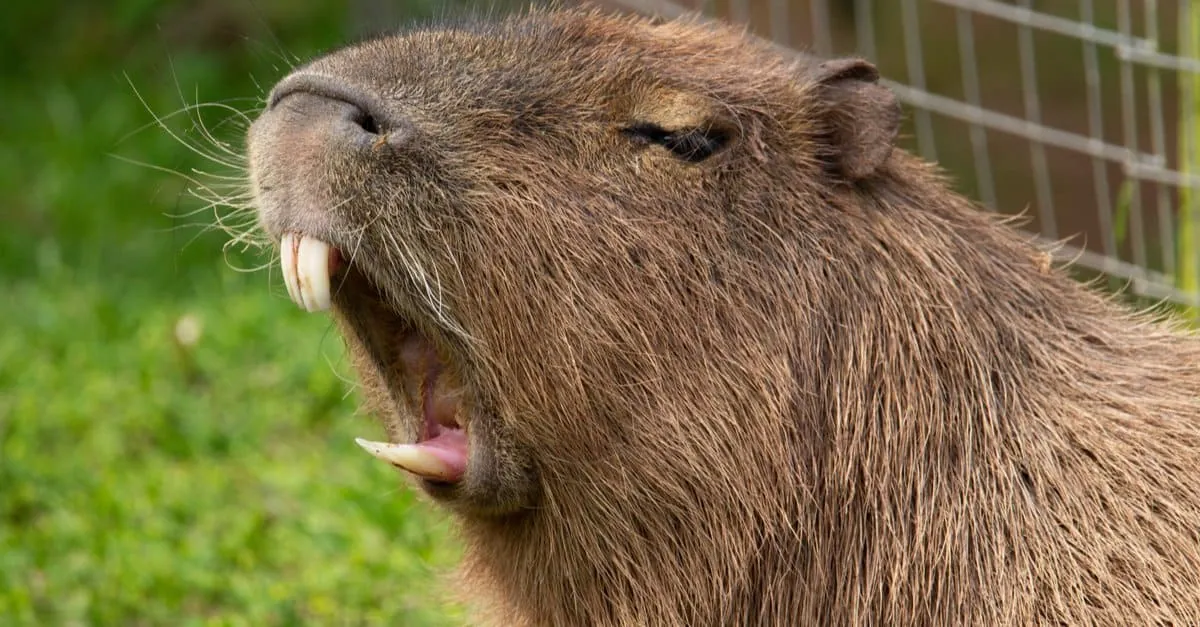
[142,481]
[1189,118]
[146,484]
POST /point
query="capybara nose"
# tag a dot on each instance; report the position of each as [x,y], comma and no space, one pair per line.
[348,114]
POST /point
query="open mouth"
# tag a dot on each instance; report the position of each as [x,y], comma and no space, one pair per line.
[420,375]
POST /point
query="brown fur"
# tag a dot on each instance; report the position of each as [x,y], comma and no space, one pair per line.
[800,382]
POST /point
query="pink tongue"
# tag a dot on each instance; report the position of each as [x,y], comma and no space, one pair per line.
[450,446]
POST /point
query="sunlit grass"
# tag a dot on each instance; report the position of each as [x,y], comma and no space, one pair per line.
[144,480]
[1189,159]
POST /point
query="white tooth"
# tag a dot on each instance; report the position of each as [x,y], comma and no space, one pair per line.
[411,457]
[287,261]
[312,268]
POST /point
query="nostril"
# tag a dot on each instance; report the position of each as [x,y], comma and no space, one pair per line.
[360,108]
[368,123]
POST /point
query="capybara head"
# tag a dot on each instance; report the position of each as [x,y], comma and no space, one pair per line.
[667,322]
[565,235]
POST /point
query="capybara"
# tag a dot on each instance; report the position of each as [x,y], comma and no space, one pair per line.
[680,338]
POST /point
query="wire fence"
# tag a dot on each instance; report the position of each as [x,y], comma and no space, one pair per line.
[1079,114]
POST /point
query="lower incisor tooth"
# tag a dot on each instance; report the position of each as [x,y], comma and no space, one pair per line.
[411,457]
[312,269]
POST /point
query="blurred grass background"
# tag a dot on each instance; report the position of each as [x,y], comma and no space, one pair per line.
[144,481]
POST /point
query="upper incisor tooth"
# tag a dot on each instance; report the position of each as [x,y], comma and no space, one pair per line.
[287,262]
[312,267]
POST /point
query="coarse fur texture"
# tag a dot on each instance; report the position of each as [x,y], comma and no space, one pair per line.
[728,358]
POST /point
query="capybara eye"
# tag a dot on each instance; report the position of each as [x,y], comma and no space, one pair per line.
[692,145]
[696,144]
[646,133]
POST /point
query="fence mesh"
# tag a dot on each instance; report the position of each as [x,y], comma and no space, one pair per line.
[1079,114]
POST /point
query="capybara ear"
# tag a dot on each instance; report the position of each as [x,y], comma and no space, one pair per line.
[861,116]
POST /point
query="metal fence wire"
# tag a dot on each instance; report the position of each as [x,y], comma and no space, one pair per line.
[1079,114]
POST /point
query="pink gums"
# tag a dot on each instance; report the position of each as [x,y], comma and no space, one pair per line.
[448,444]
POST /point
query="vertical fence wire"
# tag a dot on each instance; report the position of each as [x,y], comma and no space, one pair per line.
[1095,106]
[926,143]
[1158,140]
[1033,114]
[970,76]
[1136,230]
